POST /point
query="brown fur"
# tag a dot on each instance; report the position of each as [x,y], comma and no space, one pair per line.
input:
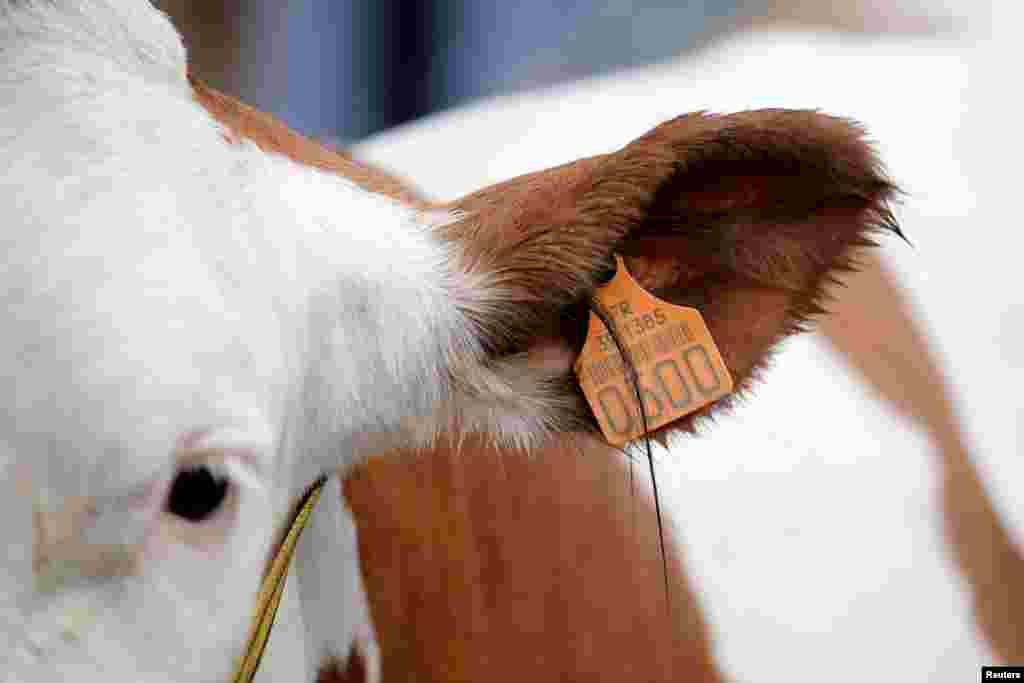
[243,122]
[352,671]
[213,34]
[488,564]
[745,217]
[494,565]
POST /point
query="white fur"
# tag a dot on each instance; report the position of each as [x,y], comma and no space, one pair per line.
[156,280]
[337,613]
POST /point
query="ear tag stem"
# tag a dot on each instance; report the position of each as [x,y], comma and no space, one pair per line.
[269,596]
[678,366]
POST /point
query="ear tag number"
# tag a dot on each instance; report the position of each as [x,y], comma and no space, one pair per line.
[679,367]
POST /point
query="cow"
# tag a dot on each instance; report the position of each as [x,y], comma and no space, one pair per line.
[205,313]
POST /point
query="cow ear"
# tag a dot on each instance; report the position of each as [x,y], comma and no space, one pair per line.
[745,217]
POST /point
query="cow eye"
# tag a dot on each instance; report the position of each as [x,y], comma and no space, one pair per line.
[197,492]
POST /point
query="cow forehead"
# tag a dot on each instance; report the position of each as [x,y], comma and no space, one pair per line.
[156,279]
[141,304]
[117,384]
[129,321]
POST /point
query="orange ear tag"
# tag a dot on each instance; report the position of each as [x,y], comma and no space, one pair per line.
[679,367]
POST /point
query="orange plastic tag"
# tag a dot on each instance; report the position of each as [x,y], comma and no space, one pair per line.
[679,367]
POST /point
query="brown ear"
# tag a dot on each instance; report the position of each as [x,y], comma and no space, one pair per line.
[745,217]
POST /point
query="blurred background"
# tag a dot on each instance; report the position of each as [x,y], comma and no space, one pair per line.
[340,70]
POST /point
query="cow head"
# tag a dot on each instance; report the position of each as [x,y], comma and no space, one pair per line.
[195,326]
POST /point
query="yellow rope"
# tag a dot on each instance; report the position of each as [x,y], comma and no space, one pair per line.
[269,596]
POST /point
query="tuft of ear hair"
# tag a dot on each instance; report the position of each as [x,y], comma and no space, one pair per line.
[746,217]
